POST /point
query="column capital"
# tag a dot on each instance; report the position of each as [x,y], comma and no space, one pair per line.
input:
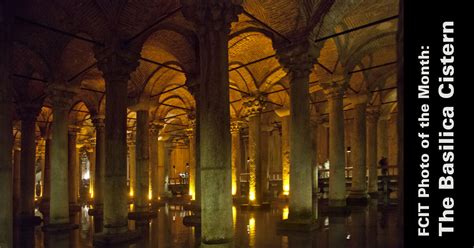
[322,120]
[117,64]
[155,128]
[372,114]
[299,58]
[235,126]
[98,121]
[253,105]
[282,112]
[61,96]
[335,87]
[130,138]
[212,15]
[359,99]
[73,129]
[29,111]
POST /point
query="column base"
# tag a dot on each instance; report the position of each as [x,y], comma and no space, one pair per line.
[59,227]
[142,215]
[74,208]
[289,226]
[374,195]
[255,206]
[30,220]
[96,211]
[106,239]
[221,245]
[357,198]
[192,220]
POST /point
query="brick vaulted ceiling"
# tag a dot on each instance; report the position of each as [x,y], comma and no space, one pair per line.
[50,56]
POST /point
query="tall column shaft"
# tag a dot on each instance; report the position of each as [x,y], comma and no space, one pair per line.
[300,149]
[47,171]
[255,185]
[6,145]
[359,144]
[59,205]
[192,162]
[116,69]
[236,157]
[73,166]
[91,158]
[372,117]
[27,170]
[337,178]
[213,22]
[285,153]
[382,138]
[132,171]
[142,166]
[16,179]
[99,123]
[154,175]
[161,168]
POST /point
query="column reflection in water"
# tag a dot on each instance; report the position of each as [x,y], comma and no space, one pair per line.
[337,232]
[372,223]
[358,227]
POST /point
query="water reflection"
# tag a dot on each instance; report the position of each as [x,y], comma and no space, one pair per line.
[370,226]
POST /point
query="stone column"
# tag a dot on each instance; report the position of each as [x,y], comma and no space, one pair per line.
[285,148]
[382,137]
[298,60]
[28,114]
[142,166]
[73,169]
[16,179]
[6,128]
[154,175]
[99,124]
[372,117]
[164,158]
[62,98]
[236,156]
[116,66]
[358,192]
[213,24]
[337,178]
[161,166]
[194,89]
[253,107]
[132,165]
[44,206]
[91,157]
[190,132]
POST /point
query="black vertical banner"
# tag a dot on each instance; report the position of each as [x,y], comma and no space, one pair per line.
[439,178]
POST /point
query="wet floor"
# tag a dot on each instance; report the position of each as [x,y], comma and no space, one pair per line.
[371,226]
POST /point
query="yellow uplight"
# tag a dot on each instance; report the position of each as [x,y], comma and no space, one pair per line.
[252,196]
[286,189]
[131,192]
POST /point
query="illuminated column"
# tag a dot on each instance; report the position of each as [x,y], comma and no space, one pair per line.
[194,89]
[358,192]
[73,168]
[91,156]
[41,161]
[236,156]
[142,164]
[213,24]
[382,137]
[337,178]
[132,160]
[162,186]
[44,205]
[16,178]
[298,60]
[190,132]
[116,66]
[62,98]
[154,175]
[284,114]
[99,124]
[372,117]
[28,114]
[253,107]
